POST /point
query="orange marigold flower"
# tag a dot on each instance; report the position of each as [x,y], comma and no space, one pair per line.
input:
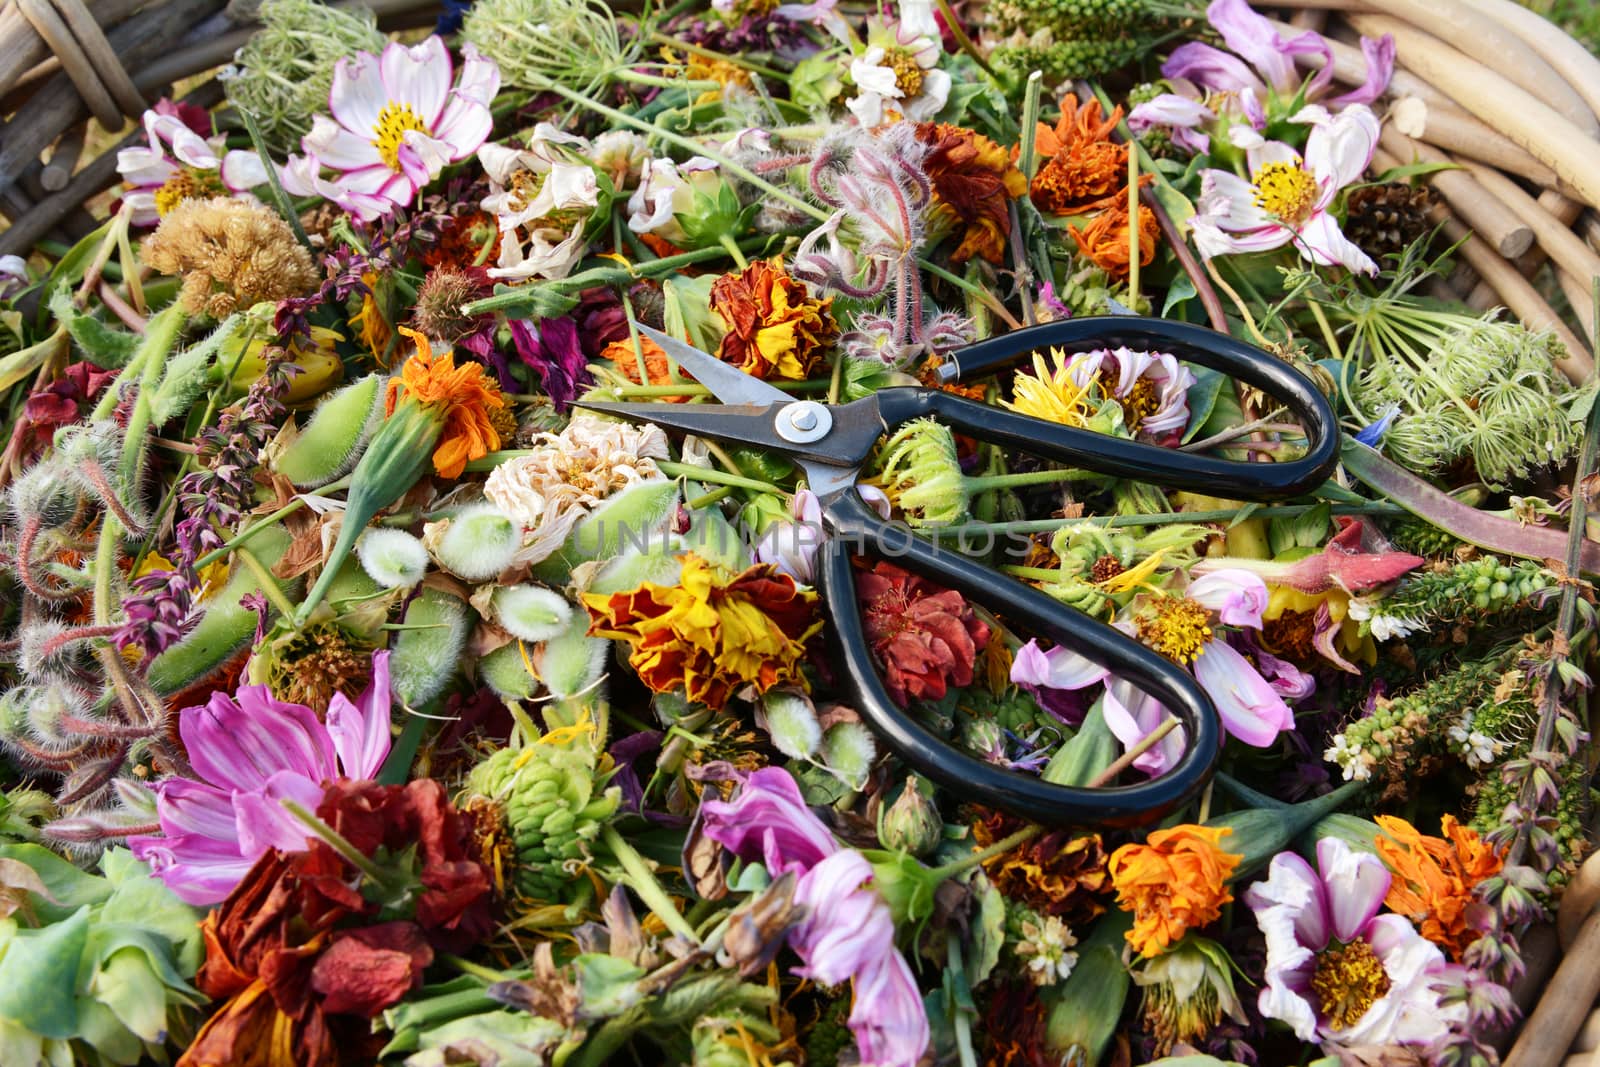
[461,241]
[775,327]
[1104,242]
[462,396]
[656,365]
[1435,877]
[1175,882]
[712,632]
[1084,170]
[1056,873]
[974,182]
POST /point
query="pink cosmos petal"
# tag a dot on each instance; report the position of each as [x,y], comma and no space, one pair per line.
[1357,883]
[1210,68]
[464,126]
[1237,596]
[1325,639]
[1324,243]
[141,166]
[242,171]
[1059,668]
[418,77]
[357,96]
[360,731]
[1312,43]
[334,146]
[1250,708]
[190,807]
[198,878]
[233,747]
[1265,153]
[298,740]
[769,821]
[142,207]
[1291,881]
[1229,202]
[1132,715]
[263,822]
[1339,147]
[1169,110]
[887,1016]
[429,152]
[1380,69]
[846,927]
[1254,38]
[480,76]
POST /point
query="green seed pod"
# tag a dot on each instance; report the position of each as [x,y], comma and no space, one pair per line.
[912,822]
[791,722]
[531,612]
[476,543]
[424,659]
[392,558]
[506,672]
[331,442]
[848,751]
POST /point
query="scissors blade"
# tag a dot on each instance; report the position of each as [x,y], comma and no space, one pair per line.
[727,383]
[742,424]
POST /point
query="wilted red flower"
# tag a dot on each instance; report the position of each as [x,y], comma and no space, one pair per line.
[974,182]
[926,637]
[775,328]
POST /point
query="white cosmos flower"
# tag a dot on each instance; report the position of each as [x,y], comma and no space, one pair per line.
[1288,199]
[898,75]
[177,164]
[542,201]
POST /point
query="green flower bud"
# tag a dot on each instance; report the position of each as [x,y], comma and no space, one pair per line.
[920,469]
[791,721]
[476,543]
[848,750]
[912,823]
[424,658]
[392,558]
[531,612]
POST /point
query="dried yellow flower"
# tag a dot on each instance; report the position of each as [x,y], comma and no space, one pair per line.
[230,253]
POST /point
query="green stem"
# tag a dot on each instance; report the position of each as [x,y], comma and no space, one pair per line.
[476,970]
[1030,126]
[646,392]
[269,584]
[983,296]
[643,883]
[637,77]
[1165,518]
[982,482]
[711,474]
[337,841]
[726,240]
[280,199]
[160,335]
[964,42]
[518,297]
[249,532]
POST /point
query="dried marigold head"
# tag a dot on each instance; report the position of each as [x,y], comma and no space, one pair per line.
[1175,882]
[1434,878]
[461,395]
[1104,242]
[656,365]
[776,329]
[231,254]
[1055,873]
[974,182]
[1084,169]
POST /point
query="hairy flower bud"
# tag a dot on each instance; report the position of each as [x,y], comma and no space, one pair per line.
[476,543]
[392,558]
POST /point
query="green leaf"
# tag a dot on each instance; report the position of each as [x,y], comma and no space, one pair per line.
[1092,749]
[1180,292]
[1412,170]
[1202,398]
[815,82]
[69,269]
[131,990]
[987,930]
[608,985]
[71,887]
[1245,512]
[39,974]
[100,344]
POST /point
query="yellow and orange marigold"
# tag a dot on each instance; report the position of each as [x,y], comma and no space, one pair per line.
[713,632]
[1175,882]
[1434,878]
[461,394]
[776,329]
[974,182]
[1084,169]
[1104,241]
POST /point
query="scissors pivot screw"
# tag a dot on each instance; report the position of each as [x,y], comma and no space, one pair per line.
[804,421]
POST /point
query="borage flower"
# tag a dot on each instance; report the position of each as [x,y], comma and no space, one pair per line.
[713,632]
[1187,628]
[1289,199]
[898,76]
[927,638]
[397,121]
[848,932]
[1173,883]
[1337,971]
[179,163]
[776,329]
[251,752]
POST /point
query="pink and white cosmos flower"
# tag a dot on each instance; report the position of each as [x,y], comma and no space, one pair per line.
[1289,199]
[1337,971]
[1166,381]
[396,122]
[177,164]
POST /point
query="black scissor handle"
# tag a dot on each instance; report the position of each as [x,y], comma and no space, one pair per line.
[1133,459]
[854,526]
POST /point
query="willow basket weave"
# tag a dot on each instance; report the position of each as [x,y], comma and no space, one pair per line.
[1483,84]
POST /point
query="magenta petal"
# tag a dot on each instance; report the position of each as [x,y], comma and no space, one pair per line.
[186,806]
[1252,36]
[768,822]
[263,822]
[1380,68]
[1357,883]
[464,126]
[360,731]
[887,1017]
[299,742]
[199,871]
[846,927]
[1250,708]
[1133,715]
[1210,68]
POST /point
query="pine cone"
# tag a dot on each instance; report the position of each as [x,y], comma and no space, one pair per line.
[1384,219]
[553,806]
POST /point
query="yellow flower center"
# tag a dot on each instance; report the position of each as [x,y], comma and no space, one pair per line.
[394,122]
[1176,627]
[190,183]
[1349,979]
[1286,190]
[907,71]
[1140,403]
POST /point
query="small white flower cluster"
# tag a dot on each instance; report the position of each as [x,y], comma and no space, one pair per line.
[1477,748]
[1383,627]
[1049,948]
[1355,761]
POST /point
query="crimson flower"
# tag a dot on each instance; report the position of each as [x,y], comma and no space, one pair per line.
[926,637]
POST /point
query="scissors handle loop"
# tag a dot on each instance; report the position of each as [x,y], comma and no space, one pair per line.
[856,527]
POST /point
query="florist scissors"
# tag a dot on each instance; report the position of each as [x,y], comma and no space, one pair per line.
[831,443]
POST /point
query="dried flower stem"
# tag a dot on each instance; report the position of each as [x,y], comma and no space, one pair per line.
[645,885]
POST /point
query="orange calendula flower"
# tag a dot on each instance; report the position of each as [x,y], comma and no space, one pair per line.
[1435,877]
[1104,242]
[1175,882]
[712,632]
[1085,170]
[974,182]
[775,328]
[656,365]
[462,396]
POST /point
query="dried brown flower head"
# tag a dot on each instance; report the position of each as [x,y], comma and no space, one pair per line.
[231,255]
[1054,874]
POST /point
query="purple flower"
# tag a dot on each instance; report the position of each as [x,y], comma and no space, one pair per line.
[1337,971]
[252,753]
[848,931]
[1180,115]
[556,356]
[396,122]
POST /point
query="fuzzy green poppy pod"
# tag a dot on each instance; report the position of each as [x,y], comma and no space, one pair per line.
[476,543]
[553,803]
